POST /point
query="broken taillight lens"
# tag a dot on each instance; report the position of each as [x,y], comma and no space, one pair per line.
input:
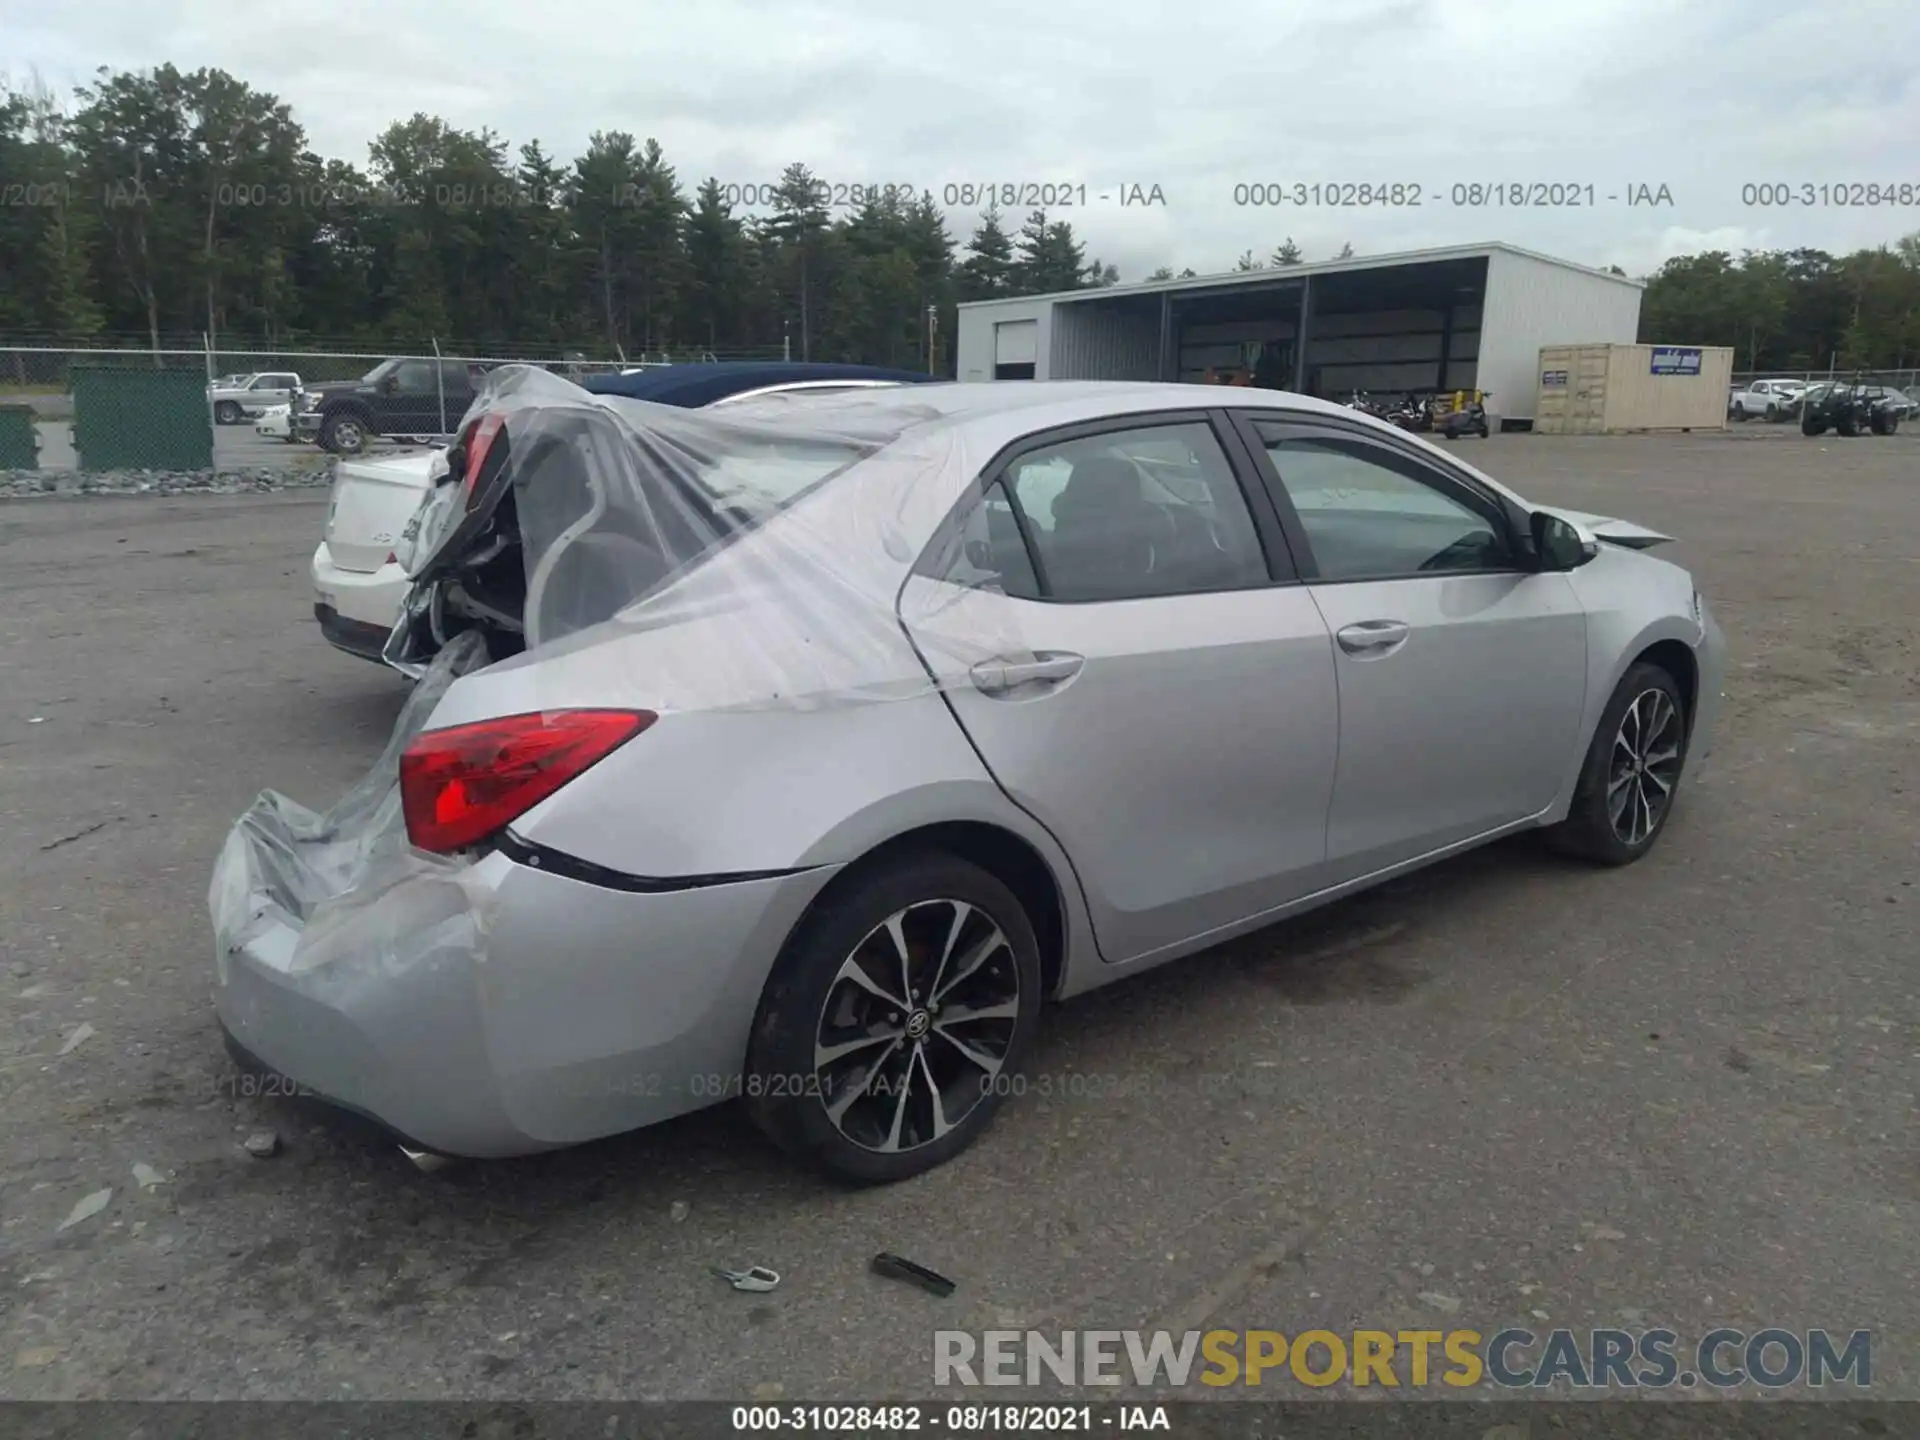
[478,443]
[460,785]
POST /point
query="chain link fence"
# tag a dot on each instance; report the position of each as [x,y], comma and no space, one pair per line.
[1906,381]
[185,406]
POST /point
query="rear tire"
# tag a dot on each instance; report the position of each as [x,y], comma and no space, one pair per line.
[1620,806]
[1773,413]
[1847,426]
[1813,427]
[873,1087]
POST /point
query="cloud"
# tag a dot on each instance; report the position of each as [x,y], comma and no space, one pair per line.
[1428,94]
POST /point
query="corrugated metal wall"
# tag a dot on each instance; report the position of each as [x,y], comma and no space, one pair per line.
[1093,340]
[1217,346]
[1531,305]
[1392,350]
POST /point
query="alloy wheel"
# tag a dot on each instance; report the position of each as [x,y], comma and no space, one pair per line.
[1644,767]
[916,1026]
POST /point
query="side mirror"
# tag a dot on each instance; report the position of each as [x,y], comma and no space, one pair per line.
[1560,544]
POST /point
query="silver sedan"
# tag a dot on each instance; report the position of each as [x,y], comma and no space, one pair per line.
[801,758]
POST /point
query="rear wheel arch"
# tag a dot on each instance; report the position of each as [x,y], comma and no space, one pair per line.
[1011,860]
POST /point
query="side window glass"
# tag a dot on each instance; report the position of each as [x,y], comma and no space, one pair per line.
[990,554]
[1373,514]
[414,375]
[1134,513]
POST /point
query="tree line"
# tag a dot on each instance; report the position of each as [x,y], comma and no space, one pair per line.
[165,205]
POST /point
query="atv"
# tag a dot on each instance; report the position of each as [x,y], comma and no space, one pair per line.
[1847,408]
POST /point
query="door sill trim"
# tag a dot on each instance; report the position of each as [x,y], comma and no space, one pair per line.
[1314,899]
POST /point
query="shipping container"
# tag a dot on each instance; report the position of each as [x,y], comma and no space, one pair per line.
[1609,389]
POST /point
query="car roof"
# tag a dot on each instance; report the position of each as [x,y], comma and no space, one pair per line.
[985,399]
[702,383]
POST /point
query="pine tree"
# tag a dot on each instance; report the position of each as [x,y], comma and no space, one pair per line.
[988,269]
[1285,253]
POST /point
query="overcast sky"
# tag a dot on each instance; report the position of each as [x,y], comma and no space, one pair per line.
[1699,96]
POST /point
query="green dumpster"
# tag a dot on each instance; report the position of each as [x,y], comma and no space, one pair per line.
[19,441]
[135,417]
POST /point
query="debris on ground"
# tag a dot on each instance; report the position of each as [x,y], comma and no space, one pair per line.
[89,1207]
[678,1212]
[36,1356]
[20,484]
[757,1279]
[896,1268]
[82,1033]
[146,1176]
[1434,1298]
[262,1143]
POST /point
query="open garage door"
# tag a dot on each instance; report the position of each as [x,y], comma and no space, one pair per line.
[1412,329]
[1016,349]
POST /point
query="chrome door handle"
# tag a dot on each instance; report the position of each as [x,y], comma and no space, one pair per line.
[994,676]
[1372,637]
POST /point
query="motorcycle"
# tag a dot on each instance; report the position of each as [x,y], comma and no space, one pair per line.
[1366,405]
[1466,419]
[1412,413]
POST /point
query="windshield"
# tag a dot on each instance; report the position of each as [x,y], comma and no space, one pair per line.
[377,371]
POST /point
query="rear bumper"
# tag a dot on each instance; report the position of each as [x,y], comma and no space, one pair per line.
[356,637]
[487,1009]
[360,601]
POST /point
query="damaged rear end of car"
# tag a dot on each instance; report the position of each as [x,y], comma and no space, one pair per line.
[448,948]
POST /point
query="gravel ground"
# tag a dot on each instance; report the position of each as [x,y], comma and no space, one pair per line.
[1504,1091]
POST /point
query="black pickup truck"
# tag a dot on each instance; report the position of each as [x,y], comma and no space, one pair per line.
[400,399]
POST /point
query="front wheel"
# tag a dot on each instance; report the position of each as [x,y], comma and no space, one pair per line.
[227,412]
[1773,413]
[1811,426]
[895,1021]
[1626,787]
[343,434]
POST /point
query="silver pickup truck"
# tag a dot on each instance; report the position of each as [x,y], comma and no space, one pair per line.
[240,398]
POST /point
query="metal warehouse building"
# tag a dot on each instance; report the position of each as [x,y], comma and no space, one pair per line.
[1460,318]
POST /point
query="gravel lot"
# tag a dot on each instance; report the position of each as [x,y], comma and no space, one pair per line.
[1505,1091]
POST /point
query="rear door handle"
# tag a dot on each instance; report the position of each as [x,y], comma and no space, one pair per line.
[995,676]
[1373,637]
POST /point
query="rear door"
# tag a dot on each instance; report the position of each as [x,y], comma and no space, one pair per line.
[1462,673]
[1116,624]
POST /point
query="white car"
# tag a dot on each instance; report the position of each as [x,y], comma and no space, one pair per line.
[359,583]
[1770,399]
[275,423]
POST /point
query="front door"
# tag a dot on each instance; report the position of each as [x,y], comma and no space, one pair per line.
[1108,629]
[1462,674]
[412,406]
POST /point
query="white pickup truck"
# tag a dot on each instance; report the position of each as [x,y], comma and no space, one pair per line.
[1769,399]
[238,398]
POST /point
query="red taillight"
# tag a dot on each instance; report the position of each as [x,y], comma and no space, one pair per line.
[462,784]
[478,444]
